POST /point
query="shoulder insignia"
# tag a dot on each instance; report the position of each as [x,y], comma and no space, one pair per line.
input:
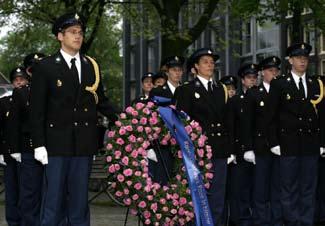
[57,59]
[197,95]
[261,89]
[288,79]
[85,60]
[197,84]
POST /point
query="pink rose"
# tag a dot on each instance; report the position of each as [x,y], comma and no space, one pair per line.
[126,191]
[129,183]
[118,193]
[201,142]
[134,212]
[146,144]
[150,104]
[165,209]
[128,148]
[118,123]
[154,207]
[127,172]
[181,211]
[182,201]
[209,155]
[129,128]
[123,116]
[143,121]
[200,152]
[150,197]
[137,173]
[134,153]
[117,166]
[135,163]
[209,175]
[173,141]
[162,201]
[208,166]
[139,106]
[184,182]
[146,214]
[207,185]
[147,129]
[201,163]
[146,111]
[109,146]
[138,186]
[120,178]
[132,139]
[111,169]
[134,121]
[178,177]
[140,129]
[125,160]
[142,204]
[147,221]
[173,211]
[153,121]
[134,113]
[188,129]
[120,141]
[164,142]
[111,134]
[193,136]
[158,216]
[135,197]
[140,139]
[127,201]
[129,109]
[176,196]
[109,158]
[175,202]
[117,154]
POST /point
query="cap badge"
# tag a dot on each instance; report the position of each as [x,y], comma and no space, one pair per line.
[262,103]
[58,60]
[197,96]
[288,97]
[231,79]
[176,58]
[252,66]
[197,83]
[274,60]
[58,83]
[303,46]
[36,56]
[76,16]
[288,79]
[18,70]
[209,52]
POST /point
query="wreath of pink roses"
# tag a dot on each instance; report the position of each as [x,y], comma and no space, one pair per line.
[127,166]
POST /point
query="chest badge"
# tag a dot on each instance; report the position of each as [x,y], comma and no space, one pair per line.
[197,96]
[58,83]
[288,97]
[262,103]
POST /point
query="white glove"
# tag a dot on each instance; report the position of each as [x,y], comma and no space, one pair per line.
[16,156]
[231,159]
[151,154]
[322,152]
[2,160]
[40,154]
[276,150]
[249,156]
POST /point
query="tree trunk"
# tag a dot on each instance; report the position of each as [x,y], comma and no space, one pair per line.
[297,28]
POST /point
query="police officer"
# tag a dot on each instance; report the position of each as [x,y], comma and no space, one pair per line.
[266,164]
[206,101]
[146,85]
[241,174]
[294,99]
[31,173]
[159,78]
[12,156]
[230,82]
[66,93]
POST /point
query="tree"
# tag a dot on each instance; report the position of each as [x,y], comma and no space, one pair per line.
[278,10]
[165,17]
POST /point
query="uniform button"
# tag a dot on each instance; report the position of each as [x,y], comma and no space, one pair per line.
[218,125]
[300,130]
[75,109]
[218,134]
[212,125]
[212,134]
[310,119]
[241,110]
[85,109]
[236,140]
[303,99]
[300,119]
[309,131]
[75,123]
[259,135]
[51,125]
[86,123]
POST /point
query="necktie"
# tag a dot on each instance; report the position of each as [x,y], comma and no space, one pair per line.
[74,71]
[210,87]
[301,89]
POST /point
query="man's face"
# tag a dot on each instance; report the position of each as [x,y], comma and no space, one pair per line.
[269,74]
[205,66]
[159,82]
[175,74]
[147,85]
[19,82]
[71,38]
[249,80]
[299,63]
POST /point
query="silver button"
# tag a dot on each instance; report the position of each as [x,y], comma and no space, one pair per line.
[218,125]
[300,130]
[259,135]
[300,119]
[309,131]
[218,134]
[75,109]
[212,125]
[212,134]
[75,123]
[86,123]
[310,119]
[51,125]
[85,109]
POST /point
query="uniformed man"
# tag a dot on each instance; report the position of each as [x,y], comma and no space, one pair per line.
[230,82]
[294,99]
[159,79]
[66,93]
[12,156]
[206,101]
[146,85]
[31,173]
[266,164]
[241,174]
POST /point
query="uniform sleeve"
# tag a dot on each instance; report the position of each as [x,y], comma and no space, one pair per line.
[272,118]
[104,105]
[248,121]
[39,94]
[230,124]
[183,99]
[15,120]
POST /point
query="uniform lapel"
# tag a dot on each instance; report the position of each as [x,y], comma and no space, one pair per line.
[201,90]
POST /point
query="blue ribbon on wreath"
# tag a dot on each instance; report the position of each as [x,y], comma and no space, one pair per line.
[171,118]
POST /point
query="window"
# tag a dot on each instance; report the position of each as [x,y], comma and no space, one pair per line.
[322,43]
[289,35]
[151,58]
[247,35]
[132,66]
[309,36]
[267,35]
[323,67]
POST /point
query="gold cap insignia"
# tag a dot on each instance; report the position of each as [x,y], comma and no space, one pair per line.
[18,70]
[303,46]
[36,56]
[252,66]
[274,59]
[209,52]
[76,16]
[176,58]
[58,83]
[231,79]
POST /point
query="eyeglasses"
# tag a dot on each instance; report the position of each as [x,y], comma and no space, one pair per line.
[74,32]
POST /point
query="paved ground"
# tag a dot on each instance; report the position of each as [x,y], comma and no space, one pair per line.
[103,213]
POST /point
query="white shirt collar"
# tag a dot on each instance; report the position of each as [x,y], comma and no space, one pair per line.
[171,87]
[266,86]
[67,57]
[204,81]
[296,79]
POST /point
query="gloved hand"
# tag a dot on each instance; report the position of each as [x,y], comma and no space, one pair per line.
[40,154]
[16,156]
[249,156]
[276,150]
[322,152]
[2,160]
[231,159]
[151,154]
